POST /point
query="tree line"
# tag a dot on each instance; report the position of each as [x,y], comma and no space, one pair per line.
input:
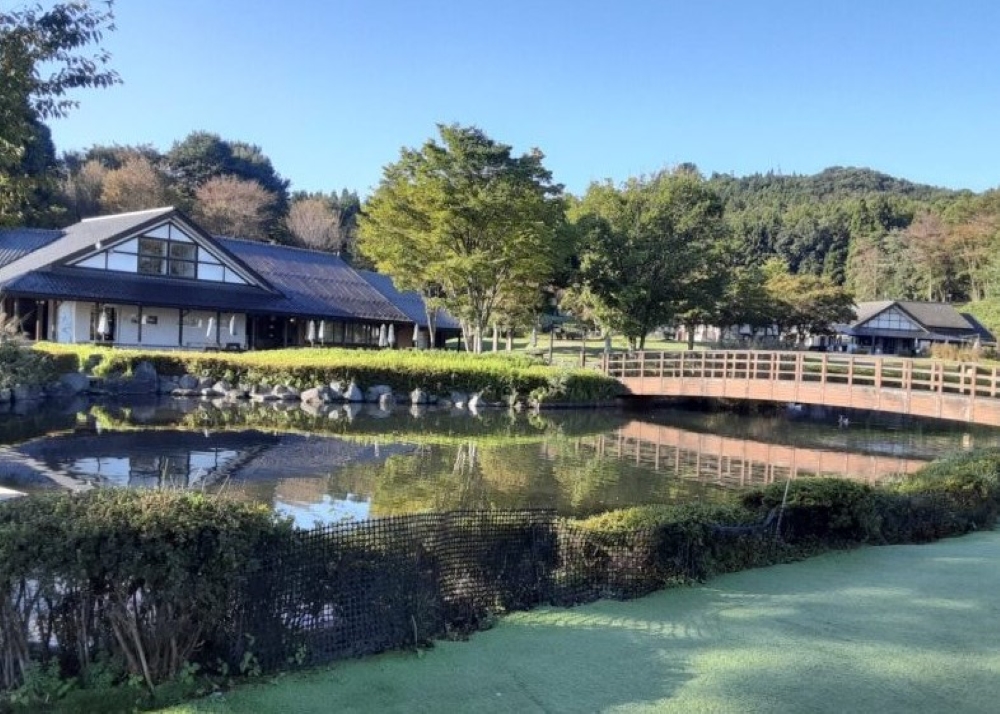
[491,235]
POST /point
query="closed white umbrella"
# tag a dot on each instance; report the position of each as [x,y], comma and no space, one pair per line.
[382,342]
[321,335]
[210,332]
[311,332]
[232,324]
[102,323]
[391,337]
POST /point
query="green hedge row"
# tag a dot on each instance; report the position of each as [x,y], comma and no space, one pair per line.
[498,376]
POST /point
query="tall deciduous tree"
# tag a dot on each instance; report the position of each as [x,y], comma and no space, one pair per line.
[655,248]
[42,57]
[136,186]
[230,206]
[314,223]
[465,222]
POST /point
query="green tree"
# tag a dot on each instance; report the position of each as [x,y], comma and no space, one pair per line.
[467,224]
[202,156]
[41,59]
[654,250]
[804,304]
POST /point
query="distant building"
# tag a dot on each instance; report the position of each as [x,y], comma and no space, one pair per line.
[156,279]
[908,327]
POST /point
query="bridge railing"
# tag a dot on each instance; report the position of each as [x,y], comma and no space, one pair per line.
[881,372]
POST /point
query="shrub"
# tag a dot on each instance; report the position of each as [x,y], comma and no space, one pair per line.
[147,577]
[21,365]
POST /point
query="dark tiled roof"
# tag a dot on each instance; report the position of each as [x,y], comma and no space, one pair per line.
[315,284]
[102,286]
[15,243]
[929,315]
[409,302]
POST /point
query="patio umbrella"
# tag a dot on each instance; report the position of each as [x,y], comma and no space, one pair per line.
[416,335]
[210,332]
[102,323]
[382,342]
[311,332]
[391,337]
[232,324]
[321,335]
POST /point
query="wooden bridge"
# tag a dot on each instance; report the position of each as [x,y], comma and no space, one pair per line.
[919,387]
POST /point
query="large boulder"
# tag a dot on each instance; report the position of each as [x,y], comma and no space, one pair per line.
[353,393]
[387,401]
[145,372]
[187,381]
[375,394]
[74,383]
[317,395]
[285,393]
[419,396]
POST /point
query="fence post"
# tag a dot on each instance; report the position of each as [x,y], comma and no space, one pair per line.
[878,373]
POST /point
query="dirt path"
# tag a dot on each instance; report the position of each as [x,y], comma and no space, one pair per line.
[894,629]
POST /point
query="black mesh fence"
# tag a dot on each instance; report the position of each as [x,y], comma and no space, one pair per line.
[361,588]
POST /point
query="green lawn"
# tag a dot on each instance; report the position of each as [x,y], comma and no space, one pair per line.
[893,629]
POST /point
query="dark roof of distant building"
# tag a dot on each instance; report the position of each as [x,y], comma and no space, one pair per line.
[931,316]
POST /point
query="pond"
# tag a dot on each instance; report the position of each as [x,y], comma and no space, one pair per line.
[352,462]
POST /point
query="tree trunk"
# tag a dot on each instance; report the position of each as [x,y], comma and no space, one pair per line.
[510,340]
[496,338]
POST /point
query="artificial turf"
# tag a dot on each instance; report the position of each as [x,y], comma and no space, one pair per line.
[888,629]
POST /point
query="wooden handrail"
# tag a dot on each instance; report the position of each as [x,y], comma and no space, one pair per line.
[881,373]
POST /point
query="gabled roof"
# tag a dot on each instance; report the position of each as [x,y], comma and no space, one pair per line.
[409,301]
[15,243]
[931,316]
[315,284]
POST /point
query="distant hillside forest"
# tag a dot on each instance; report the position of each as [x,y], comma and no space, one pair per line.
[880,236]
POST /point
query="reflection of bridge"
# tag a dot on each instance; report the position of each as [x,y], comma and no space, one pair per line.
[735,462]
[928,388]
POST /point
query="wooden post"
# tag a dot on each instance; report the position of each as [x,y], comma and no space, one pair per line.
[877,380]
[139,325]
[180,327]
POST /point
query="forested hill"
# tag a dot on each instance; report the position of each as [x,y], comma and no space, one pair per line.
[831,184]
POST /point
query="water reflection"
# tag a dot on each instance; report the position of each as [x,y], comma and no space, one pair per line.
[330,464]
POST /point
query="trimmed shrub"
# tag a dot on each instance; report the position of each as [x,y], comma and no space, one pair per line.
[834,511]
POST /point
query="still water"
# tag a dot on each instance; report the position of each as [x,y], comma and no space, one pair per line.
[351,462]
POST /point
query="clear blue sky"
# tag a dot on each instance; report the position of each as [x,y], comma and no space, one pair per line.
[331,90]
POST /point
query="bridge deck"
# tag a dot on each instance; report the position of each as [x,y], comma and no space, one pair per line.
[929,388]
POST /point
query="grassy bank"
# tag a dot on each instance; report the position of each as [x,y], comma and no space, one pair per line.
[499,377]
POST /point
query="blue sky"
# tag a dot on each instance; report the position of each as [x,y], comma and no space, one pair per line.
[331,90]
